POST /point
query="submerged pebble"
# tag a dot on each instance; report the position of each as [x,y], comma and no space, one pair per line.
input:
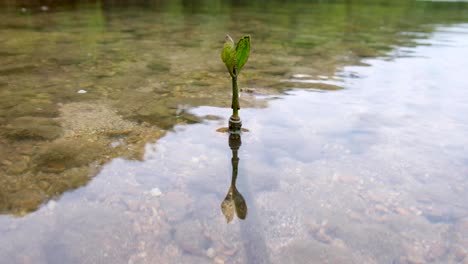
[51,205]
[300,75]
[115,144]
[460,254]
[219,260]
[176,205]
[82,91]
[156,192]
[189,236]
[323,237]
[210,253]
[436,251]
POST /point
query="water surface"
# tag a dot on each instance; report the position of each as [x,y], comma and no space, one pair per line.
[356,151]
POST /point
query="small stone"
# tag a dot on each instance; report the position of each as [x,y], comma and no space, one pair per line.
[322,236]
[156,192]
[355,216]
[460,253]
[230,252]
[415,211]
[437,215]
[462,225]
[459,188]
[189,237]
[219,260]
[43,185]
[135,259]
[6,162]
[401,211]
[301,76]
[115,144]
[381,209]
[412,260]
[210,253]
[136,228]
[176,205]
[132,205]
[313,226]
[436,251]
[347,179]
[51,205]
[338,243]
[82,91]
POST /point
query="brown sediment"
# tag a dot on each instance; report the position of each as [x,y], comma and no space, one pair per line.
[54,156]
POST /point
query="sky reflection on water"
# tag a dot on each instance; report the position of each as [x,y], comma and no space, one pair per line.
[373,173]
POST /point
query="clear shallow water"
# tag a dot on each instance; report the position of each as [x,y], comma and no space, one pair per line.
[339,177]
[81,84]
[374,172]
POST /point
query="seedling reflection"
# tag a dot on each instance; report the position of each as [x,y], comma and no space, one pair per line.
[234,201]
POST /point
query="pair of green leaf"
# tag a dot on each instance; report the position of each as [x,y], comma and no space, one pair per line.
[235,56]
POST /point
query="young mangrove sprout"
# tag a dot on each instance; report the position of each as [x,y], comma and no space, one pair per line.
[235,57]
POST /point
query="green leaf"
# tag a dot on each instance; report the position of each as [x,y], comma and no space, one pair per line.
[228,55]
[242,52]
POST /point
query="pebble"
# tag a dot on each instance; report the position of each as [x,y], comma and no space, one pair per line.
[347,179]
[82,91]
[51,205]
[415,211]
[137,228]
[210,253]
[176,205]
[437,215]
[338,243]
[412,260]
[156,192]
[436,251]
[462,225]
[219,260]
[132,205]
[460,254]
[402,211]
[134,259]
[6,162]
[459,188]
[322,236]
[230,252]
[115,144]
[381,209]
[300,76]
[313,226]
[355,216]
[189,237]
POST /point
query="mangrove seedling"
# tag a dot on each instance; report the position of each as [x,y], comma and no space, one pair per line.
[235,57]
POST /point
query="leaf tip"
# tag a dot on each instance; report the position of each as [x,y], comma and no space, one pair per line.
[228,38]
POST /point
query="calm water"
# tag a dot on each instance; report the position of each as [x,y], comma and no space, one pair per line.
[357,150]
